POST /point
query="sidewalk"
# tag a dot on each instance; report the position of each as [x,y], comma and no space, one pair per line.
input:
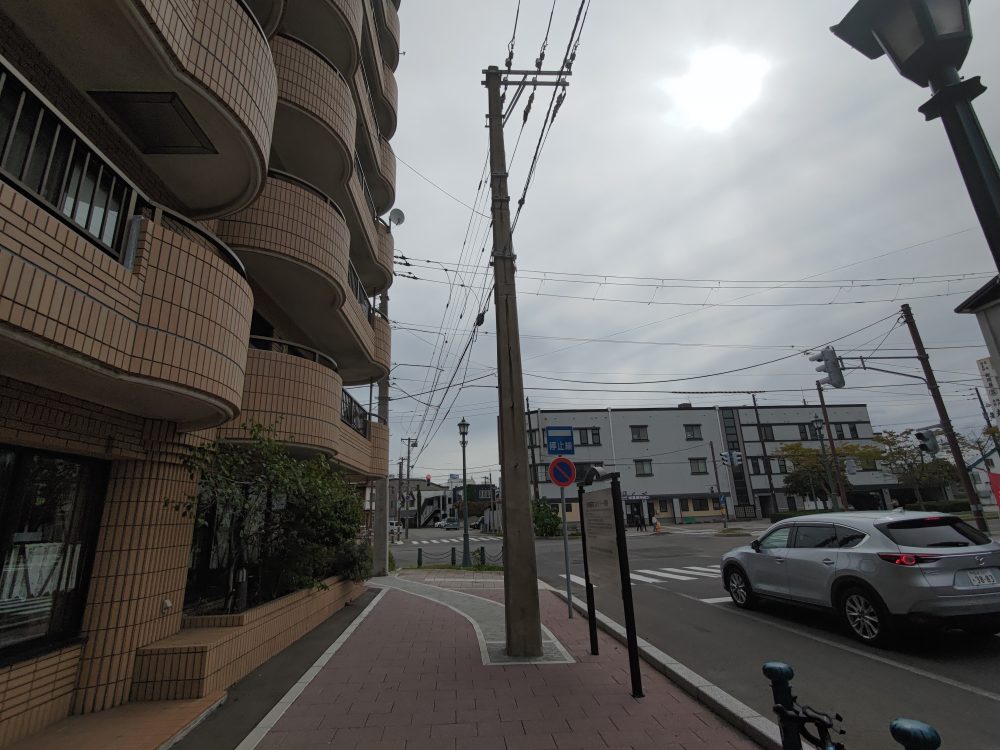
[424,667]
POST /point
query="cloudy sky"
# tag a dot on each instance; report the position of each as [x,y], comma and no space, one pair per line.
[739,175]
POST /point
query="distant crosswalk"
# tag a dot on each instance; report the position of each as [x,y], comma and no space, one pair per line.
[660,575]
[456,541]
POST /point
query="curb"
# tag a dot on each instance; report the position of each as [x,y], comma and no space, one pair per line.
[760,729]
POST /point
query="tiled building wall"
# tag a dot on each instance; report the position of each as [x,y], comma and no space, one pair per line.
[379,449]
[36,692]
[355,451]
[298,397]
[289,220]
[385,249]
[383,339]
[217,43]
[364,212]
[308,81]
[182,314]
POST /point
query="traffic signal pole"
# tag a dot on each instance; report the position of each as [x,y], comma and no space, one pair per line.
[835,467]
[946,428]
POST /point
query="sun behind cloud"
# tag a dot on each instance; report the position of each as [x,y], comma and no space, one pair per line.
[720,84]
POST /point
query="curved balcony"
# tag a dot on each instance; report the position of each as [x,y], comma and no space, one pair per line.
[296,247]
[387,103]
[268,13]
[383,184]
[160,336]
[383,342]
[358,438]
[198,108]
[333,27]
[295,389]
[315,122]
[389,32]
[386,247]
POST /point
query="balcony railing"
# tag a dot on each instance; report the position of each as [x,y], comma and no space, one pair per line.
[51,163]
[364,186]
[358,289]
[353,414]
[268,344]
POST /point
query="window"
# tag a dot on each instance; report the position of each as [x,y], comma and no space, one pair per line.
[755,465]
[532,438]
[588,436]
[933,531]
[50,508]
[767,432]
[698,465]
[664,506]
[640,433]
[854,430]
[777,539]
[847,538]
[699,504]
[811,537]
[692,431]
[782,466]
[643,467]
[595,435]
[839,431]
[803,432]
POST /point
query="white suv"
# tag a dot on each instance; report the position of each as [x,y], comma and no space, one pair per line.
[874,569]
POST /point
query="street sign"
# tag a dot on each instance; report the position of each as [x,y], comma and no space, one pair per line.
[559,441]
[428,478]
[562,472]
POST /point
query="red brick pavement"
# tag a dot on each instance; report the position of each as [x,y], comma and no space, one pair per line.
[411,677]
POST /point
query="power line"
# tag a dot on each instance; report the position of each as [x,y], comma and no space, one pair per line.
[433,184]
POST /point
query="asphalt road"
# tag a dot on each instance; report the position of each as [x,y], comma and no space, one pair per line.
[951,681]
[437,543]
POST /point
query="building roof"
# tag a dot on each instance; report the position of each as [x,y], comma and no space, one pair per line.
[986,296]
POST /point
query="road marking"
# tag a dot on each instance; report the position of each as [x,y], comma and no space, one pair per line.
[673,576]
[686,572]
[865,654]
[716,600]
[425,541]
[575,579]
[713,569]
[643,579]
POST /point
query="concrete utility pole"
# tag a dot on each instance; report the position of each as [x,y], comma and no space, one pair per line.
[767,458]
[520,582]
[399,491]
[835,467]
[946,428]
[410,443]
[380,551]
[534,472]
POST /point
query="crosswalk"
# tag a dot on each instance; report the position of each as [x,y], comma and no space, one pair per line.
[455,541]
[660,575]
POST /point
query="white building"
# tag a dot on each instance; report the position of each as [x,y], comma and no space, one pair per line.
[989,376]
[669,462]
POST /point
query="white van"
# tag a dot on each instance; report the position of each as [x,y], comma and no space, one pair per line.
[395,527]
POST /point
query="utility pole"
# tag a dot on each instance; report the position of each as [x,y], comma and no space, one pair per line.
[718,487]
[835,466]
[410,443]
[531,444]
[399,491]
[380,551]
[946,428]
[524,630]
[763,448]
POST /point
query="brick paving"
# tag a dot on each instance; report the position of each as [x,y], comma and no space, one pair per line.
[411,677]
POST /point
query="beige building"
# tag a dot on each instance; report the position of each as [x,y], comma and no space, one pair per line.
[190,193]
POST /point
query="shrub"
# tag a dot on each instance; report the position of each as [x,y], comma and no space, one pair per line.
[545,518]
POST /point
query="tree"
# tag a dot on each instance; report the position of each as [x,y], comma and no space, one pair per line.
[546,518]
[902,457]
[811,473]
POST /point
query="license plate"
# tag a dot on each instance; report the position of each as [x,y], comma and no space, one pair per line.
[987,577]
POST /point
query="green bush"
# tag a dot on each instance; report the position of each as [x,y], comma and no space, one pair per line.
[392,562]
[545,518]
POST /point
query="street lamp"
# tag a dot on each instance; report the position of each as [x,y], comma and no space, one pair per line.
[927,41]
[463,430]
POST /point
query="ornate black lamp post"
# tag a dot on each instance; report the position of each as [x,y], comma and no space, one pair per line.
[463,430]
[927,41]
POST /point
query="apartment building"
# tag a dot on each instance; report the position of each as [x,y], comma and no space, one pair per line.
[190,193]
[669,458]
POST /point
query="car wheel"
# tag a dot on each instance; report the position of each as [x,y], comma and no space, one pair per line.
[740,590]
[865,616]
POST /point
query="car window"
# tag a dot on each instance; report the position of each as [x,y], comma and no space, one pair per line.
[811,537]
[933,531]
[777,539]
[847,538]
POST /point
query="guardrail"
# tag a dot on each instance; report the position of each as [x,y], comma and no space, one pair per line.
[353,414]
[268,344]
[358,290]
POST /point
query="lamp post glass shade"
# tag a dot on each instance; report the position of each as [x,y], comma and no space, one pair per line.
[463,427]
[817,425]
[921,37]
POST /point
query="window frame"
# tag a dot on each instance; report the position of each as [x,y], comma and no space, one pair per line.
[789,528]
[644,434]
[644,461]
[814,525]
[692,465]
[693,432]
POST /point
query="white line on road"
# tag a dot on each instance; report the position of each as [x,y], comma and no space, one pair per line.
[713,569]
[672,576]
[865,654]
[688,572]
[575,579]
[716,600]
[643,579]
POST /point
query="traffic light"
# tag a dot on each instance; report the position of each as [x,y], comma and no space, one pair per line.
[738,458]
[928,442]
[732,458]
[725,456]
[831,366]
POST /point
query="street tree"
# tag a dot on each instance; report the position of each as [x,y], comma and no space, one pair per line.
[901,456]
[811,472]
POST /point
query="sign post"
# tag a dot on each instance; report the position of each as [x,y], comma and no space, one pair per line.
[591,608]
[562,472]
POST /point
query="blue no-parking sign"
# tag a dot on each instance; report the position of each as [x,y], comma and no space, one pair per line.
[562,472]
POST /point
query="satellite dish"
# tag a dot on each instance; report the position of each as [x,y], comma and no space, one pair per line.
[396,217]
